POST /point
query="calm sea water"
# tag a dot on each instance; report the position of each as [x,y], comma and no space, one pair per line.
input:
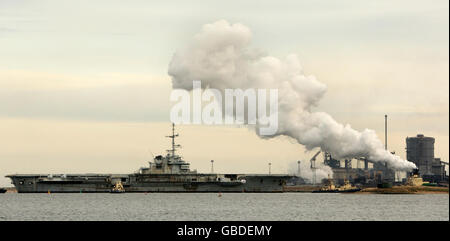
[231,206]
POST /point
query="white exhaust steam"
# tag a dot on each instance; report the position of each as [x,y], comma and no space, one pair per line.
[322,171]
[220,56]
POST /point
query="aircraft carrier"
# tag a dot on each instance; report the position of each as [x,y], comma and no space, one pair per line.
[168,173]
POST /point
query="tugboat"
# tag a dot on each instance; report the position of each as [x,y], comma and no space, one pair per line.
[347,187]
[2,190]
[329,187]
[118,188]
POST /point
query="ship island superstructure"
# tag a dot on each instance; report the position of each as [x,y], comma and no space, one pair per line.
[166,173]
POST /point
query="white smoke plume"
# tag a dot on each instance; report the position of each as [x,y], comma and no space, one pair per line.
[322,171]
[221,57]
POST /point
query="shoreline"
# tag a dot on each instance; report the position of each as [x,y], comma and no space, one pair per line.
[367,190]
[405,190]
[375,190]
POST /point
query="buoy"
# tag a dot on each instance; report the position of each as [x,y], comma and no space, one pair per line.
[48,191]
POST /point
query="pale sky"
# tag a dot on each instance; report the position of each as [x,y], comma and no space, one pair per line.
[84,84]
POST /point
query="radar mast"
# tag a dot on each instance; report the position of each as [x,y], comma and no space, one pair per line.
[174,146]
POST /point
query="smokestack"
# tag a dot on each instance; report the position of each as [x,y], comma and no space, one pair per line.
[385,136]
[298,171]
[385,132]
[212,166]
[270,164]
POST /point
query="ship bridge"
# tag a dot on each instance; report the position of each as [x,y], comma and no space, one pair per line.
[171,163]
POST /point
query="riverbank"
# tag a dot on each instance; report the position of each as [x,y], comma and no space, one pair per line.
[375,190]
[405,190]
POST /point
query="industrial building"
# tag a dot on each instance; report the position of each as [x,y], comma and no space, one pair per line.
[420,151]
[366,172]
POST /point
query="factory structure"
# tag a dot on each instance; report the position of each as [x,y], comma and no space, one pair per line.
[366,172]
[419,150]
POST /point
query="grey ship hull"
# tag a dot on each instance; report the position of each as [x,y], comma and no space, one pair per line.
[169,173]
[98,183]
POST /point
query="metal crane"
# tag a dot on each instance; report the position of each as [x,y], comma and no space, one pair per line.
[313,166]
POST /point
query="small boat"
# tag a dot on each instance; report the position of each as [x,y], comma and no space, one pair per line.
[3,190]
[329,187]
[118,188]
[347,187]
